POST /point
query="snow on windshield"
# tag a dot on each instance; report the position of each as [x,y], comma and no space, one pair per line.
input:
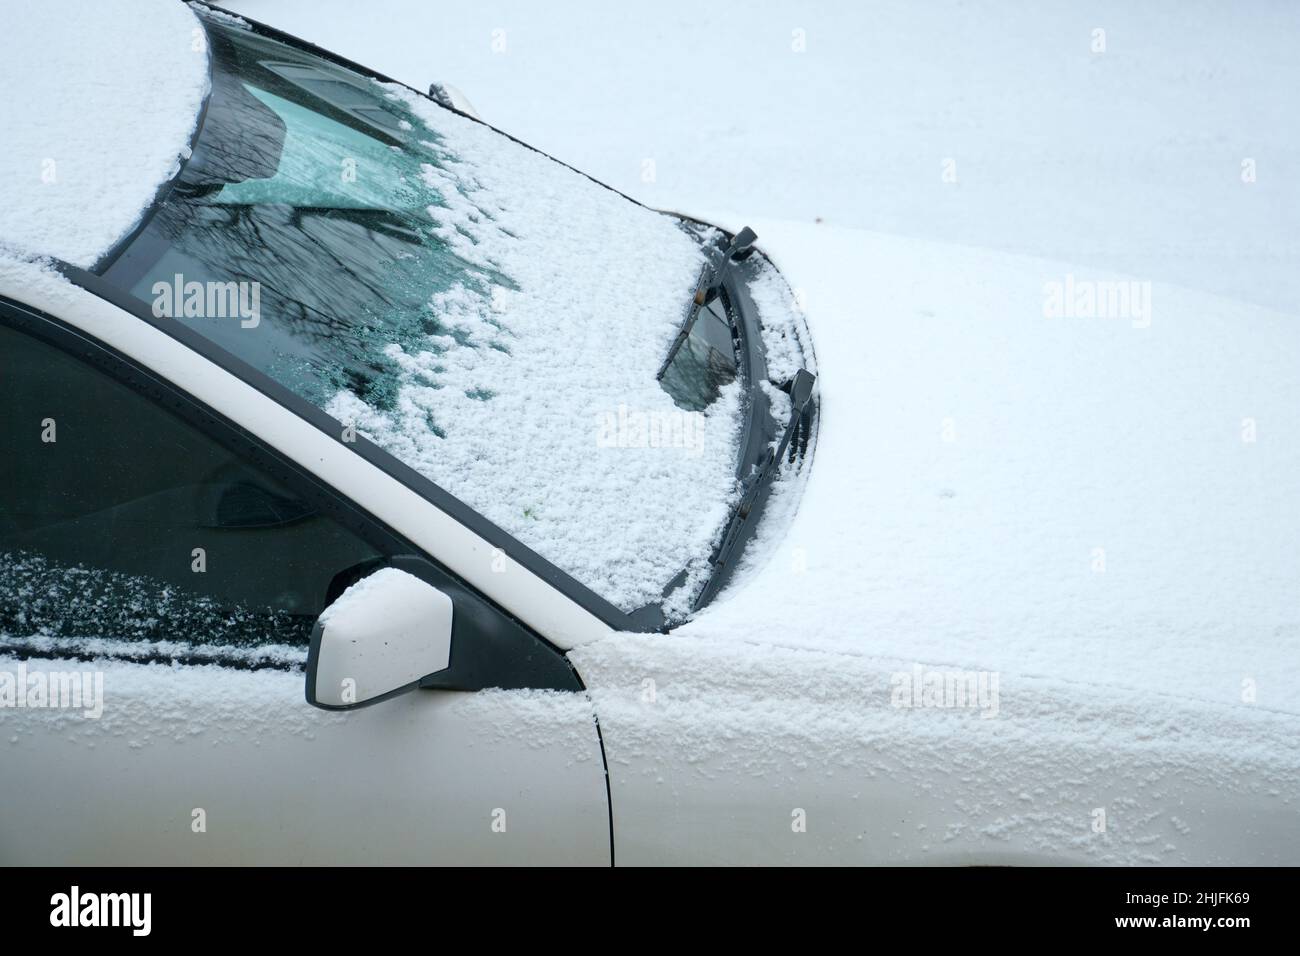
[102,102]
[538,404]
[492,318]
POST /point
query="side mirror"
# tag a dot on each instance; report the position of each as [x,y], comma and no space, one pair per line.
[377,640]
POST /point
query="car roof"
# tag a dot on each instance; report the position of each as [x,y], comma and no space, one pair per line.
[102,101]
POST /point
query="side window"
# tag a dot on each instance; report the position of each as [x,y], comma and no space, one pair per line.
[124,529]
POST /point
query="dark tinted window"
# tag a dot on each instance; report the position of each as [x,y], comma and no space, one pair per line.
[124,524]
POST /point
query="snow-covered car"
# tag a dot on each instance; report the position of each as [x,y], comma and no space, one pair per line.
[380,489]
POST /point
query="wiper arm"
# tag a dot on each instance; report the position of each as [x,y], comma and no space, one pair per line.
[706,290]
[801,389]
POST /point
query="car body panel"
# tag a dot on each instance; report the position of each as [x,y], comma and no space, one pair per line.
[211,765]
[725,752]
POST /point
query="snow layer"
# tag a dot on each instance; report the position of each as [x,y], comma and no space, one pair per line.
[166,651]
[1121,688]
[540,408]
[20,271]
[59,602]
[1130,158]
[371,599]
[786,342]
[1099,511]
[691,723]
[1080,497]
[100,104]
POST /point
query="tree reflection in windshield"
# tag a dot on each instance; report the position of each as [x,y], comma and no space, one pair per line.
[307,181]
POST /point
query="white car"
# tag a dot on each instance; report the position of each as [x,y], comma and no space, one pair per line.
[381,490]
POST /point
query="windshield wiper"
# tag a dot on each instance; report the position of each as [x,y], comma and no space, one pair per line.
[801,389]
[707,287]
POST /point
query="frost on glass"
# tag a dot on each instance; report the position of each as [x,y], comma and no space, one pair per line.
[44,603]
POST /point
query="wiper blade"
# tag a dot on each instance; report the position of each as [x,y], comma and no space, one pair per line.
[699,299]
[706,290]
[801,389]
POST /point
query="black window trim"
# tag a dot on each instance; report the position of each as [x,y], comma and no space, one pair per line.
[331,503]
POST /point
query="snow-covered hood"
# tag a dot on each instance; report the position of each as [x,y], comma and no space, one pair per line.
[1088,523]
[1003,482]
[100,104]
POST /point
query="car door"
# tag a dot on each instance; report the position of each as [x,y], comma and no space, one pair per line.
[160,573]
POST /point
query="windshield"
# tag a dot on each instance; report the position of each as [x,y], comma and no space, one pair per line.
[492,318]
[322,205]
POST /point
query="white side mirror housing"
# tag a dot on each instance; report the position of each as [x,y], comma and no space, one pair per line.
[377,640]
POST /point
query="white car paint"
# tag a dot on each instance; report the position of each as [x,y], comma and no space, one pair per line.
[384,632]
[209,765]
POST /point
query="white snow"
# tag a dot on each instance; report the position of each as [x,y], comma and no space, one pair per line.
[521,412]
[100,103]
[1099,512]
[1077,497]
[373,600]
[22,270]
[1126,160]
[278,656]
[1163,688]
[786,342]
[692,723]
